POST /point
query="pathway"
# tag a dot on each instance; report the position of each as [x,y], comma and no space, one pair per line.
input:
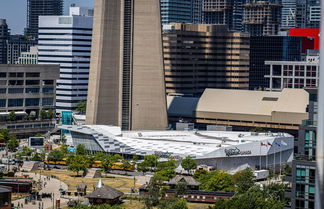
[52,186]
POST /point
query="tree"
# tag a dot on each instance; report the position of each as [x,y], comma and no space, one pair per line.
[218,180]
[12,116]
[81,150]
[55,156]
[102,206]
[188,164]
[181,188]
[166,170]
[78,163]
[151,161]
[255,197]
[5,135]
[43,114]
[50,114]
[243,180]
[38,157]
[82,107]
[174,204]
[143,167]
[12,144]
[154,193]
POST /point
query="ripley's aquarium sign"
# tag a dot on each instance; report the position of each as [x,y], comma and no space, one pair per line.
[236,151]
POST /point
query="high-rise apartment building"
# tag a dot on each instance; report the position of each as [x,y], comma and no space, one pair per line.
[126,83]
[36,8]
[302,194]
[308,13]
[288,14]
[229,12]
[197,57]
[66,40]
[270,48]
[262,17]
[179,11]
[4,36]
[16,45]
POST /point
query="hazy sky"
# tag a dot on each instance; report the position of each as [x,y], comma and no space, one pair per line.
[15,12]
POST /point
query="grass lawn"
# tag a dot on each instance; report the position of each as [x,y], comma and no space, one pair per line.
[68,177]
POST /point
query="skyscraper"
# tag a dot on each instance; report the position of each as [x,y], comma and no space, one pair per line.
[126,83]
[176,11]
[262,17]
[4,36]
[36,8]
[66,40]
[288,14]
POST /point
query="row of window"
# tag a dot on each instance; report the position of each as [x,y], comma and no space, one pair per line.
[26,82]
[19,75]
[26,102]
[26,90]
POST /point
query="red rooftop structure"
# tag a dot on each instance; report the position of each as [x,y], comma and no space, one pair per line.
[312,39]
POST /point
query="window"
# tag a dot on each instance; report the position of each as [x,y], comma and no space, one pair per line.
[47,101]
[3,75]
[276,70]
[16,75]
[48,82]
[3,91]
[15,102]
[32,75]
[32,90]
[32,102]
[3,103]
[32,82]
[48,90]
[16,82]
[15,91]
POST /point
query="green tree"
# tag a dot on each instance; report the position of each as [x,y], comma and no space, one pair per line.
[166,170]
[107,162]
[126,164]
[174,204]
[13,144]
[50,114]
[255,197]
[5,135]
[26,151]
[188,164]
[154,193]
[78,163]
[218,180]
[55,155]
[12,116]
[151,161]
[102,206]
[81,150]
[181,188]
[82,107]
[243,180]
[38,157]
[43,114]
[143,167]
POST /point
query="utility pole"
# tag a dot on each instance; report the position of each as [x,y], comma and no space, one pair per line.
[319,202]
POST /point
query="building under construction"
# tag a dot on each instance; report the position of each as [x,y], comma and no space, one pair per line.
[262,17]
[227,12]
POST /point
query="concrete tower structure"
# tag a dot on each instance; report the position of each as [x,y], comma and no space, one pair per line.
[126,82]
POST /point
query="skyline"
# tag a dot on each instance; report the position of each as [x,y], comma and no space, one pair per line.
[17,20]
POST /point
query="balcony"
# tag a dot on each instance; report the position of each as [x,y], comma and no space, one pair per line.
[304,157]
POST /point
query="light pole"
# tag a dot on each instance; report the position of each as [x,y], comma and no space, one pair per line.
[319,202]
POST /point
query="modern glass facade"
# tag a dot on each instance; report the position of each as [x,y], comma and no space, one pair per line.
[270,48]
[304,165]
[176,11]
[36,8]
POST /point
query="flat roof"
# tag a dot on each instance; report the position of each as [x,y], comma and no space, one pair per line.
[285,107]
[179,143]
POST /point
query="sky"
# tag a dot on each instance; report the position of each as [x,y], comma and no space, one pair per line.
[15,12]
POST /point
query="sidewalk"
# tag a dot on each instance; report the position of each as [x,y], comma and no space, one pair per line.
[52,186]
